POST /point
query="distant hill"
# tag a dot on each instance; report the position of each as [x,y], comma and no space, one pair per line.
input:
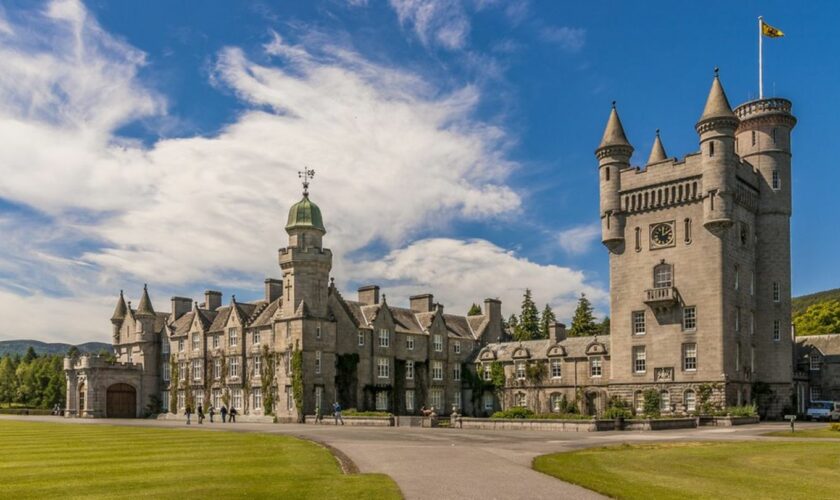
[800,304]
[21,346]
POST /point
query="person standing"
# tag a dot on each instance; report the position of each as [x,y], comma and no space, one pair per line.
[212,412]
[200,413]
[188,413]
[232,415]
[318,416]
[337,413]
[223,413]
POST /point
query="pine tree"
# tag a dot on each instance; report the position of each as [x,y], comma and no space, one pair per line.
[529,320]
[546,321]
[30,355]
[512,325]
[583,323]
[605,326]
[475,310]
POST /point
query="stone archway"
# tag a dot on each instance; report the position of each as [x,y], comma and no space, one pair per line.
[121,401]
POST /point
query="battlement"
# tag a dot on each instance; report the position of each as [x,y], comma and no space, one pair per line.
[87,361]
[763,107]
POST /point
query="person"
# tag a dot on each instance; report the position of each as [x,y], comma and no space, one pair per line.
[232,415]
[223,413]
[212,412]
[337,413]
[57,409]
[200,413]
[318,416]
[188,413]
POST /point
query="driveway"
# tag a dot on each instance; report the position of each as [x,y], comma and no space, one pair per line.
[452,463]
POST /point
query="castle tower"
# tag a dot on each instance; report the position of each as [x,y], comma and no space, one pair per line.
[613,155]
[119,317]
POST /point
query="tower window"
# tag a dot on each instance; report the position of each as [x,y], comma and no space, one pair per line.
[777,292]
[638,240]
[662,276]
[638,322]
[639,359]
[607,170]
[711,148]
[687,231]
[737,276]
[737,319]
[753,137]
[690,357]
[689,318]
[777,330]
[777,181]
[774,136]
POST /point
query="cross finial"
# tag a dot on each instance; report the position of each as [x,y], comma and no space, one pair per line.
[306,174]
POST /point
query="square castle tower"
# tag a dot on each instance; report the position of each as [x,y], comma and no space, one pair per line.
[700,260]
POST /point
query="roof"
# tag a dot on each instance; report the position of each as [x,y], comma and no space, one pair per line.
[575,347]
[265,314]
[657,152]
[717,105]
[828,344]
[408,321]
[305,214]
[614,132]
[145,307]
[121,309]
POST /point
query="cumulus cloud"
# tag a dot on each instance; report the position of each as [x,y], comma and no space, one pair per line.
[569,39]
[577,240]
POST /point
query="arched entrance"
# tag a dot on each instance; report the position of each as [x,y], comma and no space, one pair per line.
[121,402]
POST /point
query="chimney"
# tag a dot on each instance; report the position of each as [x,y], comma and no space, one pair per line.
[557,332]
[493,311]
[212,299]
[421,303]
[180,306]
[273,289]
[369,295]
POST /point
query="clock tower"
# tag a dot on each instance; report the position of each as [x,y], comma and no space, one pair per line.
[699,252]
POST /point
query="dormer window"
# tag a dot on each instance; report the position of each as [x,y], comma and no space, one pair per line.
[384,338]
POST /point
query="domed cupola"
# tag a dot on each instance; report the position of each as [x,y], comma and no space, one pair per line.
[305,215]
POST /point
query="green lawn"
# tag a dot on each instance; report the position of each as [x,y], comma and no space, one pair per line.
[825,433]
[41,460]
[755,469]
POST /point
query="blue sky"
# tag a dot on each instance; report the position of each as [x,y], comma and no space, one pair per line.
[158,141]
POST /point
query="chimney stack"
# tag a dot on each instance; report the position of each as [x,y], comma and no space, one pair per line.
[369,295]
[180,306]
[212,300]
[273,289]
[557,332]
[421,303]
[493,311]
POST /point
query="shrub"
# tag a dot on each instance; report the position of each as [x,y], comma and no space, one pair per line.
[834,427]
[352,412]
[742,411]
[525,413]
[617,408]
[652,403]
[515,412]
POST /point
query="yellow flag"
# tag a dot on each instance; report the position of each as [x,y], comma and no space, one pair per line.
[770,31]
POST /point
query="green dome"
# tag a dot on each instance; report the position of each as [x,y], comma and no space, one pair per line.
[305,214]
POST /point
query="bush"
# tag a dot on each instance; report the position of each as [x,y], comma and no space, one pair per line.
[352,412]
[742,411]
[652,403]
[617,408]
[525,413]
[515,412]
[834,427]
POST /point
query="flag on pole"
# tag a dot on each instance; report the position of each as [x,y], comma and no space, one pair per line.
[770,32]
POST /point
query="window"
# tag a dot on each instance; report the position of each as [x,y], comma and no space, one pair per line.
[409,370]
[319,396]
[383,367]
[196,369]
[181,399]
[752,322]
[437,370]
[233,338]
[815,362]
[520,370]
[456,400]
[744,233]
[753,137]
[639,401]
[687,231]
[777,292]
[487,401]
[777,181]
[690,400]
[436,398]
[711,148]
[595,367]
[256,393]
[216,341]
[233,367]
[638,322]
[130,355]
[180,345]
[607,173]
[665,401]
[556,368]
[816,394]
[638,240]
[318,332]
[384,338]
[257,365]
[690,357]
[456,372]
[689,318]
[164,348]
[217,398]
[556,401]
[487,372]
[409,342]
[409,400]
[774,135]
[164,401]
[737,277]
[288,330]
[182,370]
[738,357]
[196,341]
[217,368]
[361,338]
[236,398]
[520,399]
[777,330]
[165,370]
[256,337]
[737,319]
[438,342]
[457,347]
[290,398]
[639,359]
[317,362]
[662,276]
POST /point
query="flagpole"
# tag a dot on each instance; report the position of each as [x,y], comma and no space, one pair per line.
[760,61]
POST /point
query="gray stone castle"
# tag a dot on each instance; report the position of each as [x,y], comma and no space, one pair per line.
[699,253]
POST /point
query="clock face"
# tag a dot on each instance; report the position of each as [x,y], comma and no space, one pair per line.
[662,234]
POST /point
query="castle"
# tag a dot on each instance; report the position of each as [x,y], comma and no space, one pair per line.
[699,254]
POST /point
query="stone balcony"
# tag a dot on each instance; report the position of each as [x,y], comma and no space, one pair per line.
[661,297]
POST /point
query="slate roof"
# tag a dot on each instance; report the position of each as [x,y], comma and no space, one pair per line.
[265,314]
[408,321]
[574,346]
[828,344]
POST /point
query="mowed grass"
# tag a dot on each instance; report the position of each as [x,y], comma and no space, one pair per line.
[755,469]
[826,433]
[40,460]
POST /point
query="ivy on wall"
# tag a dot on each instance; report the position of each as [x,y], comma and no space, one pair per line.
[173,385]
[268,379]
[297,382]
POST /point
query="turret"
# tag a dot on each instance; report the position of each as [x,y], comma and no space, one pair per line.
[145,314]
[716,129]
[613,155]
[657,152]
[119,316]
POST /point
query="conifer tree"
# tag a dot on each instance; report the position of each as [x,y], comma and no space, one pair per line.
[605,326]
[547,320]
[475,310]
[512,325]
[583,322]
[529,320]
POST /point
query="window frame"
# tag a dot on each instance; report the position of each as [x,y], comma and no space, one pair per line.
[520,370]
[233,337]
[558,364]
[639,319]
[409,342]
[689,363]
[658,270]
[777,330]
[409,370]
[690,403]
[361,338]
[437,370]
[384,337]
[689,316]
[639,359]
[383,367]
[595,362]
[437,342]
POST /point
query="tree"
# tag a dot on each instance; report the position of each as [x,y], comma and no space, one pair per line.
[546,321]
[475,310]
[30,355]
[583,323]
[73,351]
[823,317]
[8,382]
[512,325]
[529,320]
[604,327]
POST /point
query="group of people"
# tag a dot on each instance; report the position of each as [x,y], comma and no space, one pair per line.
[319,417]
[227,415]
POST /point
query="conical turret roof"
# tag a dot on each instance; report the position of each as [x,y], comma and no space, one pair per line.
[657,152]
[121,309]
[717,105]
[614,132]
[145,307]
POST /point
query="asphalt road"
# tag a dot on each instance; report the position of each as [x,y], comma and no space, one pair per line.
[452,463]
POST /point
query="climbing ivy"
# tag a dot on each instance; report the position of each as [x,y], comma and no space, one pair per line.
[297,382]
[497,376]
[268,379]
[173,385]
[536,371]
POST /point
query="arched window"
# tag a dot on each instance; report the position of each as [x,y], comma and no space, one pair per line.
[690,400]
[665,401]
[607,173]
[663,276]
[711,148]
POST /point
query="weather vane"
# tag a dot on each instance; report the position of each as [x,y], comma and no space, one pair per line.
[306,174]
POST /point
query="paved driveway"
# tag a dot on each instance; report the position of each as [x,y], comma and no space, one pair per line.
[451,463]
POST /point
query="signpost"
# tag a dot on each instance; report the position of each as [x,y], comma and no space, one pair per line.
[792,419]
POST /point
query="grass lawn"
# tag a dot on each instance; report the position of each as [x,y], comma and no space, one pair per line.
[754,469]
[40,460]
[825,433]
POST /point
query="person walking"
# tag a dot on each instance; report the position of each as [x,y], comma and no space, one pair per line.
[337,413]
[318,416]
[223,413]
[200,413]
[188,413]
[232,415]
[212,412]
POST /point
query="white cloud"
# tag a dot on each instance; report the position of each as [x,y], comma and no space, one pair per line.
[579,239]
[462,272]
[435,22]
[570,39]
